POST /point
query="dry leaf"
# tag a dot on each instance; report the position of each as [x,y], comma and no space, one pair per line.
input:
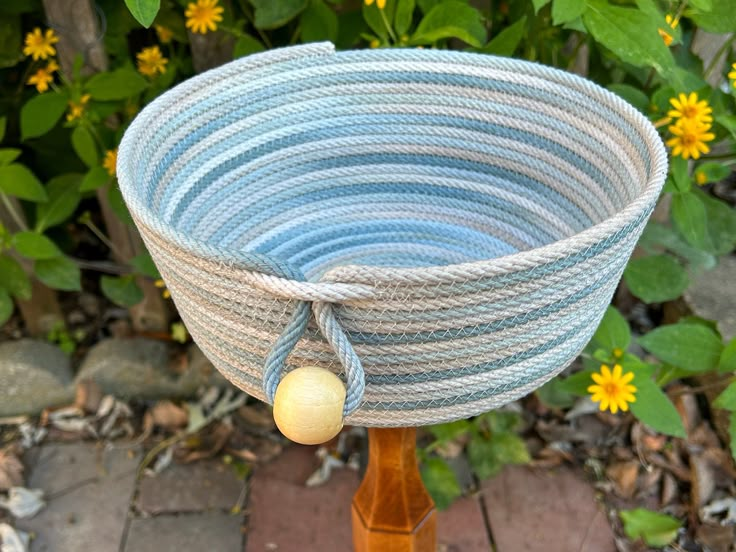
[13,540]
[623,475]
[22,502]
[256,417]
[167,415]
[88,396]
[717,538]
[11,469]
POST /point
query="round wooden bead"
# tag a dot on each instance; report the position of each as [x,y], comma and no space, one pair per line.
[308,405]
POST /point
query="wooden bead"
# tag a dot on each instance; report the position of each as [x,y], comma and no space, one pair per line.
[308,405]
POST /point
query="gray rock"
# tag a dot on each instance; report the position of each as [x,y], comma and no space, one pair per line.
[713,296]
[201,366]
[142,368]
[33,375]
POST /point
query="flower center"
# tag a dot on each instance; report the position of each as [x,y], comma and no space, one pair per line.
[611,389]
[690,111]
[689,139]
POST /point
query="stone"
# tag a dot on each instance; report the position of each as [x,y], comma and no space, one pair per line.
[202,531]
[87,490]
[713,296]
[462,527]
[203,485]
[143,368]
[200,365]
[33,375]
[543,510]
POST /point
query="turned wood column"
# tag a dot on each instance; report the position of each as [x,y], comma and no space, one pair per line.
[392,511]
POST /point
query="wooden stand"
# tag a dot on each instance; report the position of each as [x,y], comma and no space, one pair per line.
[392,511]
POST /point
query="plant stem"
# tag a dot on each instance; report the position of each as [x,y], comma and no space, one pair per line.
[13,213]
[719,54]
[103,238]
[388,26]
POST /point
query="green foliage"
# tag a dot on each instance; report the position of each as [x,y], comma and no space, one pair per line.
[59,273]
[13,278]
[116,85]
[654,409]
[17,180]
[270,14]
[656,278]
[613,331]
[122,290]
[40,114]
[653,528]
[451,19]
[144,11]
[35,246]
[440,481]
[692,347]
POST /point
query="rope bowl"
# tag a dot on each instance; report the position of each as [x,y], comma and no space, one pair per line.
[443,230]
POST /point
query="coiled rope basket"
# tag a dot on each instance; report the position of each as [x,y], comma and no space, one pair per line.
[443,230]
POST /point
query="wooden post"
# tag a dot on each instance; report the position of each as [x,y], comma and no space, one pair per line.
[392,511]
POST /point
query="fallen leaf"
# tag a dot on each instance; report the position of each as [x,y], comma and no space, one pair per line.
[22,502]
[623,475]
[716,538]
[88,396]
[11,469]
[256,417]
[13,540]
[725,506]
[169,416]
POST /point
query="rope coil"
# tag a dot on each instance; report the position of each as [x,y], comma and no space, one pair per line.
[443,230]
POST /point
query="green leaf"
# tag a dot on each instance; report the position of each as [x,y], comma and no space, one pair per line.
[656,278]
[720,19]
[566,10]
[35,246]
[507,41]
[655,529]
[6,306]
[16,180]
[95,178]
[59,273]
[688,216]
[115,199]
[440,481]
[64,196]
[403,16]
[121,290]
[451,19]
[727,362]
[84,146]
[577,384]
[653,408]
[721,224]
[713,172]
[10,39]
[246,45]
[681,178]
[539,4]
[553,395]
[3,127]
[13,278]
[656,236]
[727,399]
[116,85]
[144,265]
[374,16]
[449,431]
[488,456]
[630,34]
[40,114]
[318,22]
[613,331]
[144,11]
[693,347]
[8,155]
[633,95]
[270,14]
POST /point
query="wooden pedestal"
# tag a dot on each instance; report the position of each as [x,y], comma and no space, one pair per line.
[392,511]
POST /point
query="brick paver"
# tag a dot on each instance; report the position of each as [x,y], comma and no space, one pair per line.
[199,486]
[545,511]
[88,492]
[210,531]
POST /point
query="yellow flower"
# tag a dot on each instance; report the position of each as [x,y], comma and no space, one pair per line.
[667,37]
[40,45]
[151,61]
[700,178]
[110,161]
[76,109]
[375,43]
[203,16]
[617,353]
[689,107]
[380,3]
[164,33]
[689,138]
[166,294]
[612,390]
[732,74]
[43,77]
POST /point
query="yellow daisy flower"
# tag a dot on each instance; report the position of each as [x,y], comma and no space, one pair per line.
[164,34]
[76,109]
[689,138]
[380,3]
[689,107]
[43,76]
[110,161]
[700,178]
[203,16]
[165,293]
[667,37]
[39,45]
[732,74]
[612,390]
[151,61]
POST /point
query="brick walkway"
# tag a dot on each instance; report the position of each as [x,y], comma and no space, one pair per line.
[94,504]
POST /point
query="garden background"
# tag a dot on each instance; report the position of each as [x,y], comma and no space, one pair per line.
[658,376]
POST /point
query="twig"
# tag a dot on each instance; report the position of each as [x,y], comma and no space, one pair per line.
[13,213]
